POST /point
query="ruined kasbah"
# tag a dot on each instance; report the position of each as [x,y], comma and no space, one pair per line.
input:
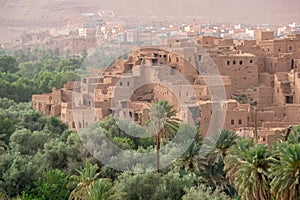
[260,80]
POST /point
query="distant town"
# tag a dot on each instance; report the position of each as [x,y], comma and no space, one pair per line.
[105,27]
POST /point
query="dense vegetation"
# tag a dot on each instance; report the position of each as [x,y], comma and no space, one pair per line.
[23,75]
[41,159]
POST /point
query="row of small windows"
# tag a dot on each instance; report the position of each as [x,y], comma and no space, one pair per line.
[241,62]
[279,49]
[187,94]
[128,83]
[239,122]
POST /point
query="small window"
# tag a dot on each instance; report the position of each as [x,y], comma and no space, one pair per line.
[177,59]
[240,121]
[232,122]
[73,124]
[234,62]
[228,62]
[279,49]
[290,48]
[199,57]
[121,83]
[251,61]
[128,83]
[241,62]
[268,49]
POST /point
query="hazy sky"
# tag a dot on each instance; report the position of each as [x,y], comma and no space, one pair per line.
[249,11]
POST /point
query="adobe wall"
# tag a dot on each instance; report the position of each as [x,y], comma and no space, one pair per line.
[241,68]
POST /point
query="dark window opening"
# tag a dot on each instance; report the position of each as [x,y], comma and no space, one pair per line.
[199,57]
[292,64]
[289,99]
[73,124]
[136,117]
[290,48]
[241,62]
[121,83]
[234,62]
[240,121]
[232,122]
[128,83]
[228,62]
[251,61]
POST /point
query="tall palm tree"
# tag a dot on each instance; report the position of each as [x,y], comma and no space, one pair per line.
[163,122]
[84,181]
[251,177]
[285,174]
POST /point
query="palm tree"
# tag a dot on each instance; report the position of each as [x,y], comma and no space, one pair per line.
[251,177]
[285,174]
[235,154]
[84,181]
[189,161]
[163,123]
[212,174]
[216,146]
[102,189]
[294,135]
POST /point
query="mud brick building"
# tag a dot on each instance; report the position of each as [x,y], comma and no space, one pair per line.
[261,82]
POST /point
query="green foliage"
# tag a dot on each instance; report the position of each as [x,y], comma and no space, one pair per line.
[18,172]
[285,174]
[153,185]
[8,64]
[52,186]
[83,181]
[251,178]
[203,192]
[34,76]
